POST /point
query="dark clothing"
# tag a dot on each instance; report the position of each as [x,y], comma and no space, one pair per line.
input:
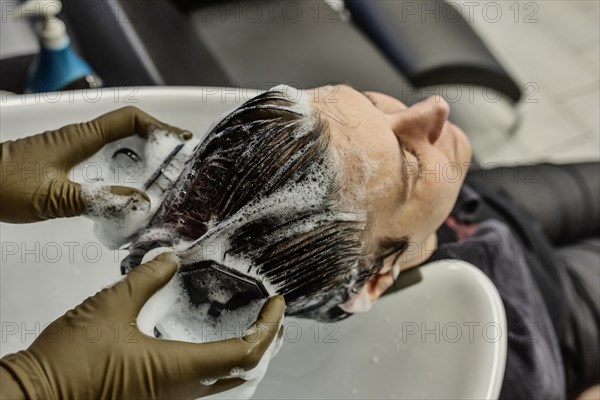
[546,269]
[563,199]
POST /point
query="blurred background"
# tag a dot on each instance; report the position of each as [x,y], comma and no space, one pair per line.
[522,77]
[559,54]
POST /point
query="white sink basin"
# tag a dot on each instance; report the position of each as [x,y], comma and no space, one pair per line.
[444,337]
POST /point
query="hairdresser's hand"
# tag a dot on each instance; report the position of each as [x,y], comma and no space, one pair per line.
[34,185]
[97,351]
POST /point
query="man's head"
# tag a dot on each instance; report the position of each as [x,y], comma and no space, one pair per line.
[403,166]
[316,193]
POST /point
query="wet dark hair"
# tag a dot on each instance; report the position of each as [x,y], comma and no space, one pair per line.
[312,254]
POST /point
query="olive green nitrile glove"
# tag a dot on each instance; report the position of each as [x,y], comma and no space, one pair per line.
[34,185]
[97,351]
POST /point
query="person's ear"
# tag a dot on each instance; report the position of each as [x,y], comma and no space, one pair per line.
[371,291]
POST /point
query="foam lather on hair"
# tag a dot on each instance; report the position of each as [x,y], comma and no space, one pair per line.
[253,213]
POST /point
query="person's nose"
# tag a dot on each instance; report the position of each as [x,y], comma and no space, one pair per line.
[425,119]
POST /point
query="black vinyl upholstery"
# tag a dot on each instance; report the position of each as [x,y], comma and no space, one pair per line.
[161,42]
[431,44]
[208,43]
[295,48]
[13,73]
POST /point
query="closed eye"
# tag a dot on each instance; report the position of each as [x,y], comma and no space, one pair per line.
[418,168]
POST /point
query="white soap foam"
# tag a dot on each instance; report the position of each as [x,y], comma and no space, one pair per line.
[253,376]
[355,170]
[173,315]
[171,311]
[300,98]
[114,228]
[122,213]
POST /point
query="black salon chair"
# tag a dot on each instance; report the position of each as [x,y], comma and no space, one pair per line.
[374,45]
[382,46]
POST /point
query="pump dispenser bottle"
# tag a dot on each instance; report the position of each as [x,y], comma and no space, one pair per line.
[57,66]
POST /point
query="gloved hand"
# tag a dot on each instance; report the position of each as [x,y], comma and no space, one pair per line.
[34,185]
[97,351]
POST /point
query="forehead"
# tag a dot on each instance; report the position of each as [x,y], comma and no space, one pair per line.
[364,145]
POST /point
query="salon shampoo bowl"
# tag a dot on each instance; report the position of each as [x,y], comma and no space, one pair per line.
[443,337]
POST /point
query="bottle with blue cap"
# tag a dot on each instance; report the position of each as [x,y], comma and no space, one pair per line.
[57,66]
